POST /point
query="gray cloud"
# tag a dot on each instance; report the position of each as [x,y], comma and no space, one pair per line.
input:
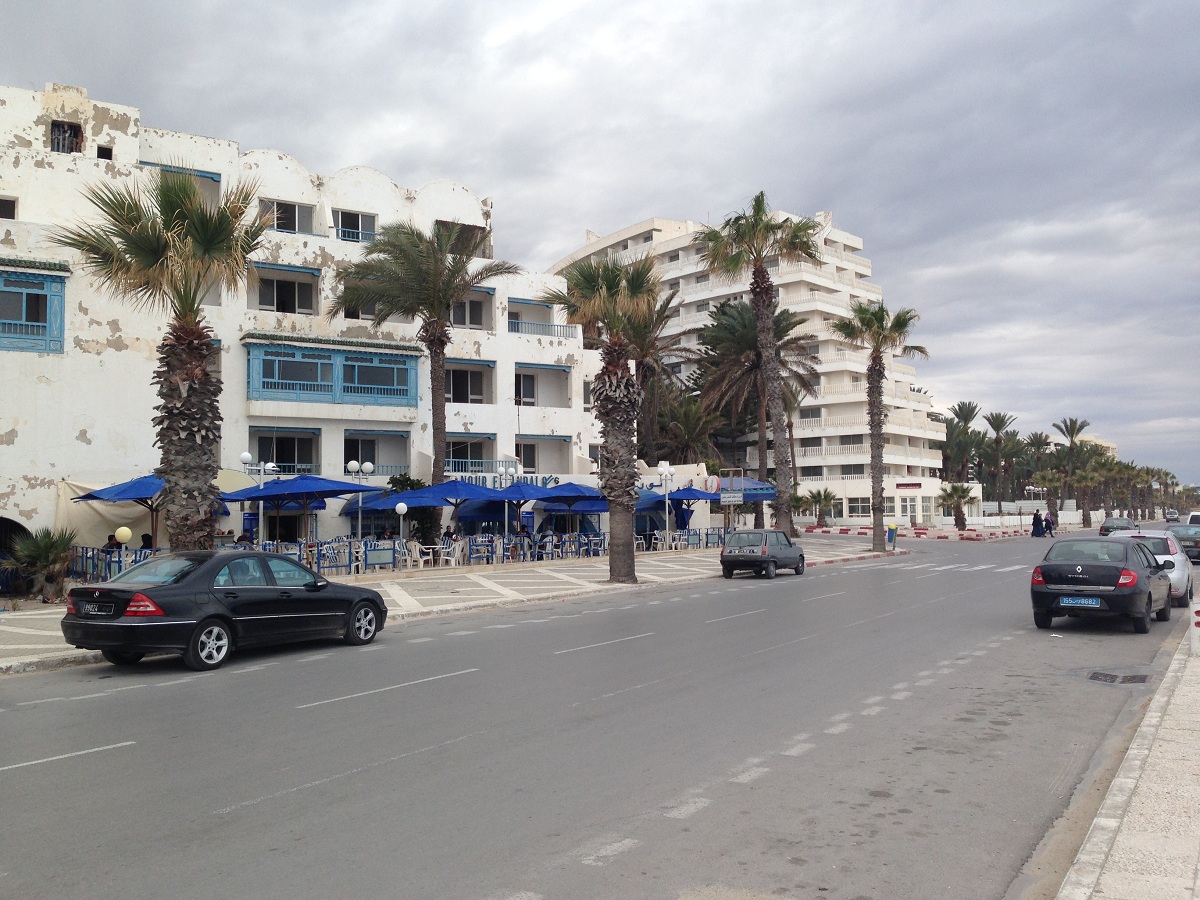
[1026,176]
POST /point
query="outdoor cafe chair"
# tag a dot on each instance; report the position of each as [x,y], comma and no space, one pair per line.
[545,547]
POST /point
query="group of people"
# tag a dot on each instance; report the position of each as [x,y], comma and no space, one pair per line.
[1043,526]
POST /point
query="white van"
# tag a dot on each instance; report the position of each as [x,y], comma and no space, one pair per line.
[1194,517]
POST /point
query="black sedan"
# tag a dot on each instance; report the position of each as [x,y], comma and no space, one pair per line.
[1114,576]
[206,603]
[1115,523]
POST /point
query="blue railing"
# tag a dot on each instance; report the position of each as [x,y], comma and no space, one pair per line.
[475,466]
[361,237]
[24,329]
[543,329]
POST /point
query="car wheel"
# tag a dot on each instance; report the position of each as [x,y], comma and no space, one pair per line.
[1164,614]
[363,625]
[209,646]
[770,572]
[123,657]
[727,571]
[1141,625]
[1042,619]
[800,567]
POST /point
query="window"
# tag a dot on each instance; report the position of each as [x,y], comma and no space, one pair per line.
[8,208]
[278,372]
[285,296]
[66,137]
[810,413]
[31,312]
[812,471]
[527,455]
[104,153]
[469,450]
[366,311]
[850,440]
[889,506]
[810,442]
[288,573]
[468,314]
[908,506]
[702,279]
[672,285]
[293,454]
[675,368]
[855,469]
[352,226]
[359,449]
[594,453]
[525,390]
[464,386]
[587,395]
[673,257]
[702,306]
[858,506]
[293,217]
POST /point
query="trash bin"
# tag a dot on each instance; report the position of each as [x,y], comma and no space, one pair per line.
[891,536]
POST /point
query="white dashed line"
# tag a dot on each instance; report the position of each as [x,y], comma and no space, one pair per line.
[459,633]
[899,685]
[37,762]
[605,643]
[870,700]
[691,807]
[735,616]
[873,710]
[419,640]
[749,775]
[840,717]
[391,687]
[1011,569]
[925,682]
[605,854]
[840,728]
[901,695]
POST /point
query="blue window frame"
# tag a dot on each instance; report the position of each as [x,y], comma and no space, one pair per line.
[31,312]
[320,375]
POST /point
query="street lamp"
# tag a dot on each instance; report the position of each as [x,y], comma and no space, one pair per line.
[667,473]
[359,473]
[401,509]
[258,471]
[507,477]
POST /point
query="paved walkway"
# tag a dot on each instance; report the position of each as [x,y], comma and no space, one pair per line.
[1143,845]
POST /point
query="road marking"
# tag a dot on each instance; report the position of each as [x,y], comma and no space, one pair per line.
[636,687]
[532,621]
[925,682]
[391,687]
[899,685]
[36,702]
[980,568]
[798,749]
[188,678]
[979,653]
[308,658]
[1011,568]
[252,668]
[419,640]
[824,596]
[901,695]
[875,699]
[840,728]
[508,625]
[736,616]
[604,854]
[689,808]
[402,598]
[604,643]
[840,717]
[944,671]
[459,633]
[653,602]
[749,775]
[38,762]
[873,710]
[951,566]
[496,586]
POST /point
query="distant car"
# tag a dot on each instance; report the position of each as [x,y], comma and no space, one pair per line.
[1165,545]
[1089,576]
[1194,517]
[1171,515]
[1189,539]
[1115,523]
[762,549]
[207,603]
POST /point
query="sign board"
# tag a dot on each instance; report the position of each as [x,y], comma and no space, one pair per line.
[909,486]
[731,498]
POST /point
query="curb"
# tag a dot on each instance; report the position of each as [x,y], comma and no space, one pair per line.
[1088,866]
[63,658]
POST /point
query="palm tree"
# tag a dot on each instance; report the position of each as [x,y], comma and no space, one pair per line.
[819,501]
[999,422]
[956,496]
[163,247]
[1071,429]
[965,412]
[45,556]
[733,374]
[748,240]
[687,429]
[406,271]
[873,328]
[613,301]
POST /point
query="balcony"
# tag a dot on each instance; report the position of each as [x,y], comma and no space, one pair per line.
[543,329]
[475,466]
[359,237]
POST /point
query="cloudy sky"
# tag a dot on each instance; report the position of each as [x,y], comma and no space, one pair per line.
[1026,175]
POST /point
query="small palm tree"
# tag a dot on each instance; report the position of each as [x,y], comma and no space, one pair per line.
[686,429]
[821,501]
[163,247]
[955,497]
[873,328]
[406,271]
[747,241]
[612,301]
[999,422]
[1071,428]
[45,556]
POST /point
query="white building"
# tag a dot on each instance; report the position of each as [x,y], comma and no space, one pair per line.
[832,446]
[302,392]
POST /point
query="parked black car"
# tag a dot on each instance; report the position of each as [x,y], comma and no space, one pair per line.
[1115,523]
[762,549]
[207,603]
[1114,576]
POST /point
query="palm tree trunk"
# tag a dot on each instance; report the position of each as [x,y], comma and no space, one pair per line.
[875,375]
[759,507]
[763,301]
[188,434]
[616,400]
[437,404]
[999,478]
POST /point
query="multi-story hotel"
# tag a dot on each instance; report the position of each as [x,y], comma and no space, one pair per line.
[303,392]
[831,447]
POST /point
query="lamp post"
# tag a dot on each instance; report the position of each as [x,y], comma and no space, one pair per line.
[667,472]
[258,471]
[401,509]
[507,476]
[359,473]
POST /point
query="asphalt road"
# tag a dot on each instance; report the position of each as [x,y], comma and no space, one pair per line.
[895,729]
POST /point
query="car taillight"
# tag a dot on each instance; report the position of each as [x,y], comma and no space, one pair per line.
[70,605]
[141,605]
[763,552]
[1038,578]
[1127,579]
[1171,547]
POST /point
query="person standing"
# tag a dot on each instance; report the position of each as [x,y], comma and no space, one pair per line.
[1038,527]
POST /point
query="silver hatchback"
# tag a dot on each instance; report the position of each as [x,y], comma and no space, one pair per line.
[763,550]
[1166,545]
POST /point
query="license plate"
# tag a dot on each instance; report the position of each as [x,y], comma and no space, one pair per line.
[750,551]
[1079,601]
[98,609]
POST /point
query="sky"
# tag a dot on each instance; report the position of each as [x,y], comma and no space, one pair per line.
[1025,175]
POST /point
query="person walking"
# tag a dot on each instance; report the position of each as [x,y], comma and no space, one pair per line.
[1048,524]
[1038,528]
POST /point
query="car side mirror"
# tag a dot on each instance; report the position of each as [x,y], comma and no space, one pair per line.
[318,585]
[1168,565]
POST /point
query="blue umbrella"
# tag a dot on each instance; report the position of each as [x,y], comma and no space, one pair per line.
[385,501]
[305,490]
[455,492]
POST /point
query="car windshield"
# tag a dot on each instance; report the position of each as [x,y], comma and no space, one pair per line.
[744,539]
[1127,522]
[1086,551]
[157,570]
[1188,531]
[1156,545]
